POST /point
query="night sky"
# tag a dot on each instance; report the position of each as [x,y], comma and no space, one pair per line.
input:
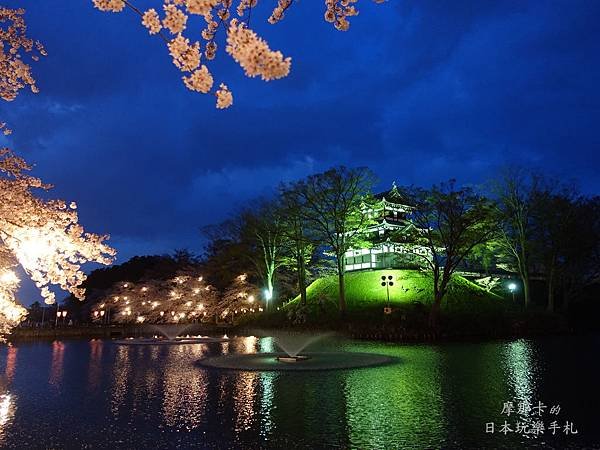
[420,91]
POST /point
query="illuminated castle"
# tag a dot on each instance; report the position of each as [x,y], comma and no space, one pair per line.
[389,211]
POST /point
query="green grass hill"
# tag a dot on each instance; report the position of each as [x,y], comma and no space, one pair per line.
[364,293]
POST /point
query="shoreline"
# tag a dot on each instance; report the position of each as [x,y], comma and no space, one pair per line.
[366,334]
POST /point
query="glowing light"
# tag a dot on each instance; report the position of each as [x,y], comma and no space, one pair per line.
[126,285]
[268,294]
[5,403]
[141,319]
[162,313]
[9,277]
[512,287]
[251,299]
[96,313]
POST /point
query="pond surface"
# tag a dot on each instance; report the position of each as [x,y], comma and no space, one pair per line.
[95,394]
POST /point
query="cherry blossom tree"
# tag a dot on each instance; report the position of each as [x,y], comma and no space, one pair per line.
[241,297]
[242,43]
[184,298]
[42,236]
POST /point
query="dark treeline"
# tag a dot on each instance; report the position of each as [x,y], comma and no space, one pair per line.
[523,223]
[540,229]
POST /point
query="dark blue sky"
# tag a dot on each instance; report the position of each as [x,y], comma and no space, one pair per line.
[420,91]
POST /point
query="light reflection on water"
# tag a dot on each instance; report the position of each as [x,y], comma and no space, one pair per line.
[56,369]
[119,396]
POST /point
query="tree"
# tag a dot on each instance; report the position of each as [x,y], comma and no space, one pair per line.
[42,236]
[514,193]
[249,50]
[186,297]
[580,261]
[450,222]
[332,205]
[298,245]
[261,231]
[565,231]
[225,255]
[238,298]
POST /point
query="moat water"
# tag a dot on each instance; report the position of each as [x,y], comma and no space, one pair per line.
[95,394]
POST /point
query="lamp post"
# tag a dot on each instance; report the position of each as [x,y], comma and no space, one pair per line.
[387,282]
[64,315]
[57,316]
[512,287]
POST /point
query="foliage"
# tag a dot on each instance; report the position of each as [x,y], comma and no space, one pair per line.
[331,204]
[42,236]
[184,298]
[450,222]
[515,192]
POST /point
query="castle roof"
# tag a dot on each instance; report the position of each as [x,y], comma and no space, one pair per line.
[393,195]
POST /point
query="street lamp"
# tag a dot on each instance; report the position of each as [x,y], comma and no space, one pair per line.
[512,287]
[64,314]
[387,282]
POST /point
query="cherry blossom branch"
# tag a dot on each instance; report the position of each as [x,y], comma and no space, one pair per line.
[141,14]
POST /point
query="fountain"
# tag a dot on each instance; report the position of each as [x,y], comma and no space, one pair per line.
[294,358]
[171,334]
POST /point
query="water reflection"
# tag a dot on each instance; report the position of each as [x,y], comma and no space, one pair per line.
[114,396]
[7,412]
[399,403]
[56,368]
[95,364]
[11,363]
[185,391]
[120,376]
[244,392]
[267,381]
[521,375]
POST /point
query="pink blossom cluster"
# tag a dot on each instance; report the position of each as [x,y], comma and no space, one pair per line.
[15,73]
[249,50]
[42,236]
[254,54]
[337,12]
[109,5]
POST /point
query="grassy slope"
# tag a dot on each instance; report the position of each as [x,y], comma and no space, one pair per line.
[364,292]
